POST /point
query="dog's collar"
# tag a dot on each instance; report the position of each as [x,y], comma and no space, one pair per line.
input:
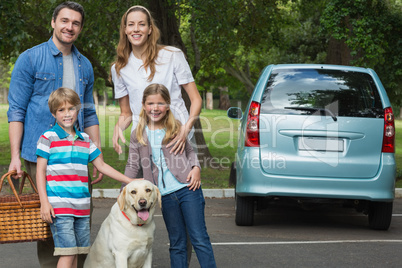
[125,215]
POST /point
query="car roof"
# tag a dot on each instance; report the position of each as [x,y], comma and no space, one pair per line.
[319,66]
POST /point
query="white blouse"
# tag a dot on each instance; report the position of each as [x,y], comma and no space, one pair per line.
[172,70]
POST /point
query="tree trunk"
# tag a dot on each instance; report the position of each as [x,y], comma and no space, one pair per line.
[164,13]
[224,102]
[96,99]
[104,99]
[197,53]
[338,52]
[210,100]
[242,76]
[4,96]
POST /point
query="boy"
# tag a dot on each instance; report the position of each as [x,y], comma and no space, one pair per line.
[62,178]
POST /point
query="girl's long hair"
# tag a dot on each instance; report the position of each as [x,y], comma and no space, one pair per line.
[152,47]
[171,125]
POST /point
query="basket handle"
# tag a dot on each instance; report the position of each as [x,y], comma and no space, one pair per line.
[25,175]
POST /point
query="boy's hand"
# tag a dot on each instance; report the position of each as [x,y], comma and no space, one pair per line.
[47,212]
[194,178]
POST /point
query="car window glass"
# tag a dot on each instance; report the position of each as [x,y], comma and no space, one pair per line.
[311,91]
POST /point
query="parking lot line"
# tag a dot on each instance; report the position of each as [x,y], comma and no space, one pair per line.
[304,242]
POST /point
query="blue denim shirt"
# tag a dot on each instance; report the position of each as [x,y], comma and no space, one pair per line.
[37,72]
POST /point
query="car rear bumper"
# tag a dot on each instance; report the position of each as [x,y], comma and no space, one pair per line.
[251,180]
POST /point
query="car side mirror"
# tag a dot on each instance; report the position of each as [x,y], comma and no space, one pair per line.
[235,113]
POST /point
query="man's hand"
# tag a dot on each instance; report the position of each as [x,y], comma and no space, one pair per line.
[16,165]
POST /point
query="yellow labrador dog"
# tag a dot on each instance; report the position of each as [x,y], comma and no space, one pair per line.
[126,236]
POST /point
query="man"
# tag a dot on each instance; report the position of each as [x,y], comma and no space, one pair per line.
[37,72]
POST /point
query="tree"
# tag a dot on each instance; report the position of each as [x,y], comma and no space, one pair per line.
[261,33]
[368,34]
[229,44]
[27,23]
[5,73]
[165,12]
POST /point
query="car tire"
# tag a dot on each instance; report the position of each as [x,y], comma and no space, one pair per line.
[232,176]
[380,215]
[244,210]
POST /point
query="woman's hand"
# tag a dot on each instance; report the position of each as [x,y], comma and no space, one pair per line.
[194,178]
[122,124]
[178,143]
[118,135]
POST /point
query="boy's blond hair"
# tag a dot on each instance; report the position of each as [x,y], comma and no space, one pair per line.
[172,126]
[62,95]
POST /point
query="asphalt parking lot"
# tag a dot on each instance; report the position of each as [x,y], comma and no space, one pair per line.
[281,237]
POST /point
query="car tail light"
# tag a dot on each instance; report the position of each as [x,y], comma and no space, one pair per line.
[388,144]
[253,126]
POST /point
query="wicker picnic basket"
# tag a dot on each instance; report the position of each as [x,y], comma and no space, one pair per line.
[20,219]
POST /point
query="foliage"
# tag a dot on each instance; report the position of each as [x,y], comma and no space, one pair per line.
[231,46]
[23,24]
[27,23]
[235,48]
[372,31]
[231,40]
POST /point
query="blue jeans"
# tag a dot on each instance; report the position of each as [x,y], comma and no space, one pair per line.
[184,210]
[71,235]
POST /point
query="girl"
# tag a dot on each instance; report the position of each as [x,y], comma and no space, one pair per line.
[177,176]
[141,61]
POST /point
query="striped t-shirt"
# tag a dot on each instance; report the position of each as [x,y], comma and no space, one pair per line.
[67,170]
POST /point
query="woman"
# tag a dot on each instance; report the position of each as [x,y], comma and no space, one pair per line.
[141,61]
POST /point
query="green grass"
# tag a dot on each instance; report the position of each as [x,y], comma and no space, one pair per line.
[220,134]
[4,141]
[219,131]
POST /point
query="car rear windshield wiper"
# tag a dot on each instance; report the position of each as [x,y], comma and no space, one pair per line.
[323,111]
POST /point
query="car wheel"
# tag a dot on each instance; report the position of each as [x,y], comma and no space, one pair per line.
[232,176]
[244,210]
[380,215]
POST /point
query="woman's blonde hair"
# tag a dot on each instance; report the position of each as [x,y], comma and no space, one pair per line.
[62,95]
[152,47]
[172,126]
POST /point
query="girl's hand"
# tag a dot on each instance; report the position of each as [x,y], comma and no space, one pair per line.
[179,142]
[118,135]
[194,178]
[47,212]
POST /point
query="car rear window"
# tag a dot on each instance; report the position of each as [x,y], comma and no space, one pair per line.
[314,91]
